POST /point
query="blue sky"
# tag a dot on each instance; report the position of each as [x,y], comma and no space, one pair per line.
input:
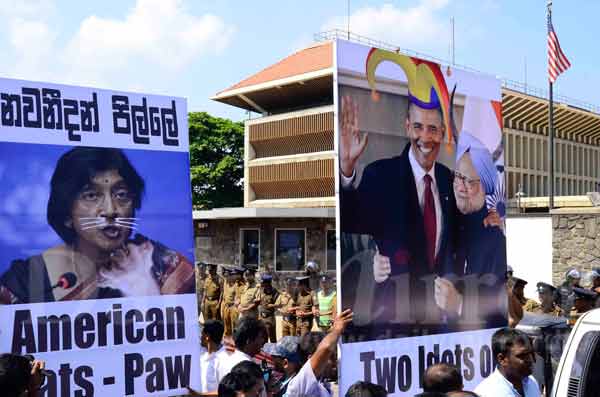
[196,48]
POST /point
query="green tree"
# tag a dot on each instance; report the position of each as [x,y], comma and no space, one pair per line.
[216,161]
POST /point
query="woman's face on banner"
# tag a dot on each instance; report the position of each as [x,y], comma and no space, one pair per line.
[101,213]
[467,186]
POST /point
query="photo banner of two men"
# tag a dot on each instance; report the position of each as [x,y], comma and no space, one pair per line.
[96,239]
[422,216]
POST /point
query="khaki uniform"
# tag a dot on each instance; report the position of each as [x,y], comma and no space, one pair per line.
[228,310]
[212,296]
[305,304]
[535,307]
[200,277]
[240,287]
[267,314]
[249,296]
[285,302]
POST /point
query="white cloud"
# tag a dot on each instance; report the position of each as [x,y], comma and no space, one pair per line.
[155,38]
[421,27]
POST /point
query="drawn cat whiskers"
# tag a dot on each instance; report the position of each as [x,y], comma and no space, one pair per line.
[100,222]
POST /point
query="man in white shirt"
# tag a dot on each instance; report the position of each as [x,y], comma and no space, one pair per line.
[210,340]
[249,336]
[512,378]
[319,361]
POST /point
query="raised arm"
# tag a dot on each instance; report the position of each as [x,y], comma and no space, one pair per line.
[320,359]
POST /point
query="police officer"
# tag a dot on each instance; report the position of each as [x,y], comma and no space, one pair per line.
[267,296]
[565,295]
[248,304]
[213,287]
[200,277]
[286,304]
[518,289]
[595,276]
[228,310]
[240,288]
[305,306]
[546,293]
[584,300]
[326,298]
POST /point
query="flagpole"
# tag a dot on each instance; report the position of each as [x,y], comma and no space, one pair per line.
[550,132]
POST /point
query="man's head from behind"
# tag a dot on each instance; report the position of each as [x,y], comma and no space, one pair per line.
[425,129]
[244,380]
[15,371]
[212,332]
[366,389]
[514,353]
[250,335]
[442,378]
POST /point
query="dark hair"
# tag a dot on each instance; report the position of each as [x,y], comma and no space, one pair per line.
[308,345]
[504,339]
[248,329]
[228,386]
[247,374]
[429,394]
[15,371]
[214,329]
[442,378]
[463,393]
[366,389]
[74,170]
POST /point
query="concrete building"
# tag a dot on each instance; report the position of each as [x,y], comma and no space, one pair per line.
[289,183]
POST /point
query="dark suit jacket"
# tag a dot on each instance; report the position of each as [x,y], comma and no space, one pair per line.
[481,261]
[385,205]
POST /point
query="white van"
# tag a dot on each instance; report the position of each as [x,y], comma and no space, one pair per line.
[578,372]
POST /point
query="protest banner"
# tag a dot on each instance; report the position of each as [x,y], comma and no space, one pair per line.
[421,217]
[96,239]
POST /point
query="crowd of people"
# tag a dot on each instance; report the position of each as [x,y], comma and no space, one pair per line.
[570,299]
[239,321]
[235,293]
[303,366]
[241,356]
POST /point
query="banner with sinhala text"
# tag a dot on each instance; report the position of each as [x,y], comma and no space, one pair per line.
[96,239]
[422,209]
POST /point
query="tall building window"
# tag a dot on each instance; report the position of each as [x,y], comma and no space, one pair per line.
[290,249]
[330,247]
[250,247]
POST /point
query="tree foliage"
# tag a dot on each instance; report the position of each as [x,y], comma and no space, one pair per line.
[216,161]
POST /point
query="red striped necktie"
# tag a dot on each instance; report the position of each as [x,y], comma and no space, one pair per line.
[429,221]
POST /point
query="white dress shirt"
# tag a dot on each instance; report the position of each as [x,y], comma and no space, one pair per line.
[225,361]
[419,174]
[496,385]
[208,370]
[306,384]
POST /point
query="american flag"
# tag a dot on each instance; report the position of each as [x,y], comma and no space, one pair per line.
[557,61]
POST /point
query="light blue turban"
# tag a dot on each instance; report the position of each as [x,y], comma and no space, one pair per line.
[481,158]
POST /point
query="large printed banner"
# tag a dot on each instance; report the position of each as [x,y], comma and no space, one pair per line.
[96,239]
[422,208]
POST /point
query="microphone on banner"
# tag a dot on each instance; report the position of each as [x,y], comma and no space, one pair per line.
[66,281]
